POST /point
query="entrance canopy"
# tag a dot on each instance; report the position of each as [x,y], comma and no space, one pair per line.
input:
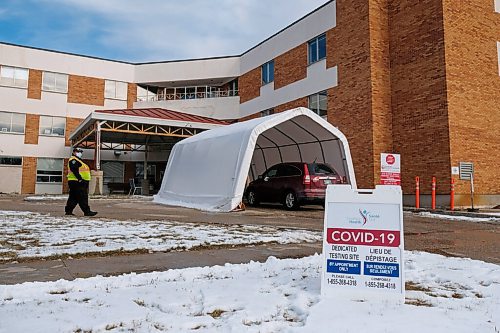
[138,129]
[210,170]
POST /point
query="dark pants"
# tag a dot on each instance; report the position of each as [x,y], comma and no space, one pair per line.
[78,195]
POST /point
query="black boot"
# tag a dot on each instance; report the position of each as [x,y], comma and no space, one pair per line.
[90,213]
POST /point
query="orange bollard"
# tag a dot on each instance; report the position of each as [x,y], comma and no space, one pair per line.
[417,192]
[433,192]
[452,194]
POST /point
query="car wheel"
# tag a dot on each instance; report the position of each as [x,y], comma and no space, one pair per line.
[252,198]
[290,202]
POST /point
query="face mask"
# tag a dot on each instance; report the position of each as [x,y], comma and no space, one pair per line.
[78,154]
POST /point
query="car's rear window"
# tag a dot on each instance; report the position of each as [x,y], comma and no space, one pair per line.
[320,169]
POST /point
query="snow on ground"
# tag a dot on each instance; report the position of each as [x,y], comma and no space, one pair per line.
[460,218]
[28,234]
[448,295]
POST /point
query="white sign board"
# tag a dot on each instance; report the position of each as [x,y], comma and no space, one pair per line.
[390,169]
[363,244]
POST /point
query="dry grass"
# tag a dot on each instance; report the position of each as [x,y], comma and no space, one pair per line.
[216,313]
[418,302]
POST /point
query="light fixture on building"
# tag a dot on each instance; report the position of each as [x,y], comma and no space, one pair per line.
[118,152]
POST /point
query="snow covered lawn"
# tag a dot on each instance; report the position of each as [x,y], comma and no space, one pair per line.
[445,295]
[28,234]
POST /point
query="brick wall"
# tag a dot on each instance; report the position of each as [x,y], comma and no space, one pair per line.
[290,67]
[249,85]
[252,116]
[35,84]
[65,174]
[29,175]
[349,104]
[85,90]
[472,30]
[418,80]
[131,95]
[304,102]
[71,125]
[380,82]
[32,129]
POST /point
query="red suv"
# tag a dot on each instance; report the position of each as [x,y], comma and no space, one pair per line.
[293,184]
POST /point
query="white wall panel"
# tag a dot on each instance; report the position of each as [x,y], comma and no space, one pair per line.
[64,63]
[10,179]
[318,78]
[218,108]
[112,104]
[48,188]
[188,70]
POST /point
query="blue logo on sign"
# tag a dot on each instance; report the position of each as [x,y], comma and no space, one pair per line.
[343,266]
[381,269]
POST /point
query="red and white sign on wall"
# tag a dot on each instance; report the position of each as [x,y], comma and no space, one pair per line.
[390,169]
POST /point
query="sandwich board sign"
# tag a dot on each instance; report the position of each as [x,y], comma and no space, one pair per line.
[363,244]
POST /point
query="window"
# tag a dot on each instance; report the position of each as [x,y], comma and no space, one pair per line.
[317,49]
[49,170]
[55,82]
[320,169]
[318,103]
[497,6]
[271,172]
[52,125]
[11,160]
[12,122]
[268,72]
[267,112]
[115,90]
[146,94]
[287,170]
[14,76]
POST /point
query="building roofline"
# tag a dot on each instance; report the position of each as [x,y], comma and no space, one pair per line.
[174,61]
[183,60]
[67,53]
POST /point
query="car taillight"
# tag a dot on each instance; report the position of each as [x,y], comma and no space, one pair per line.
[307,177]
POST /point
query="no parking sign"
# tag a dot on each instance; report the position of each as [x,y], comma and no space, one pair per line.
[363,243]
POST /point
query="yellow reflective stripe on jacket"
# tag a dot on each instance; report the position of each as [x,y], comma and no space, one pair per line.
[84,170]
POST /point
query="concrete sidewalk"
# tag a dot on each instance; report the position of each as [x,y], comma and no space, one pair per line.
[69,269]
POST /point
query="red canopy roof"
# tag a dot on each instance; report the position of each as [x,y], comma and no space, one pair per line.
[165,114]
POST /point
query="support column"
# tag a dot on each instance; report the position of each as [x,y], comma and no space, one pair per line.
[145,181]
[98,146]
[96,179]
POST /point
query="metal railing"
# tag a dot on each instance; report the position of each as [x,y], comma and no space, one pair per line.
[188,95]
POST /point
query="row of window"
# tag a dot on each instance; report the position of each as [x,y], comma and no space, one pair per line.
[48,170]
[316,51]
[56,82]
[318,103]
[11,122]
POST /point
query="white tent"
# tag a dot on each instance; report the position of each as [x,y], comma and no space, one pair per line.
[209,171]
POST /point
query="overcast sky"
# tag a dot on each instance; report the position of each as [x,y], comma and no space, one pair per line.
[147,30]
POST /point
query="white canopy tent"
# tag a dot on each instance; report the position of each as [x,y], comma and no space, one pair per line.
[209,170]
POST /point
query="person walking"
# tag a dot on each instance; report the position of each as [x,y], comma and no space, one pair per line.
[78,182]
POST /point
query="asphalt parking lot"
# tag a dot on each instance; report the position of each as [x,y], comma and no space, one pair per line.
[476,240]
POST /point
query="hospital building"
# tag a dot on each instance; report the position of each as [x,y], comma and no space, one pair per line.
[416,78]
